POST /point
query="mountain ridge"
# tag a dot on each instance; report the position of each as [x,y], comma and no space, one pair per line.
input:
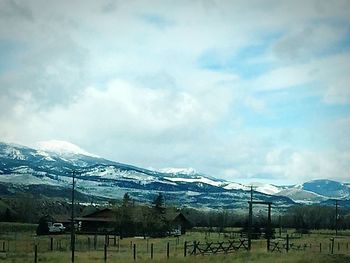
[108,179]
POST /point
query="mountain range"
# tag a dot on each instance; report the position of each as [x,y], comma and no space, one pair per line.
[46,171]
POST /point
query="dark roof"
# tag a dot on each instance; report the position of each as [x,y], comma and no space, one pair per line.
[108,215]
[98,215]
[102,213]
[94,219]
[174,216]
[62,218]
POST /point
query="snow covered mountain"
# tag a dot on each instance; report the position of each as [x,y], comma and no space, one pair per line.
[62,148]
[317,191]
[47,170]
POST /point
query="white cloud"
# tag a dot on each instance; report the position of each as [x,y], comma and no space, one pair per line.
[310,41]
[102,76]
[338,92]
[329,77]
[300,166]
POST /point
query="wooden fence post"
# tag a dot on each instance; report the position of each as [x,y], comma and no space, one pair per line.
[134,251]
[194,247]
[332,245]
[151,250]
[185,249]
[250,223]
[95,241]
[118,243]
[287,243]
[105,252]
[36,254]
[320,247]
[51,243]
[167,250]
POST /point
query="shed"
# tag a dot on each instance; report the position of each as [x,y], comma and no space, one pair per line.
[178,221]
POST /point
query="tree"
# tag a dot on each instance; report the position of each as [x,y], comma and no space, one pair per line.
[127,201]
[159,204]
[124,214]
[43,227]
[8,215]
[158,224]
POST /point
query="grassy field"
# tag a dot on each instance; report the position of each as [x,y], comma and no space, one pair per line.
[20,240]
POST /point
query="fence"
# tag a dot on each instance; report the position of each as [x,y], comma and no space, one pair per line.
[331,247]
[104,245]
[112,248]
[208,248]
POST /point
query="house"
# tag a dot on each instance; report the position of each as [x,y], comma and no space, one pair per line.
[99,221]
[105,221]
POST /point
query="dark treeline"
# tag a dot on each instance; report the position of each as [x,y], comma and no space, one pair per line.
[316,217]
[303,217]
[29,210]
[148,216]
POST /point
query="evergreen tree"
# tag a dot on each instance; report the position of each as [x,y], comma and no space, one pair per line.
[127,201]
[124,215]
[43,227]
[8,215]
[159,225]
[159,204]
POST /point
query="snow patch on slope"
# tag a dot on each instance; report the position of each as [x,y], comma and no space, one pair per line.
[188,171]
[45,155]
[194,180]
[112,172]
[14,153]
[266,188]
[236,186]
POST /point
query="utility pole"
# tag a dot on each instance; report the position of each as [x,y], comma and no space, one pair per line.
[72,237]
[336,217]
[251,193]
[269,228]
[250,219]
[280,224]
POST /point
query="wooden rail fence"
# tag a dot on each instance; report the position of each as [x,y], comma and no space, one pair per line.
[208,248]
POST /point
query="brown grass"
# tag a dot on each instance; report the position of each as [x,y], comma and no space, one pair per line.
[22,243]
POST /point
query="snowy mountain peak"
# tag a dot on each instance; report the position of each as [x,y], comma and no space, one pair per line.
[62,148]
[187,171]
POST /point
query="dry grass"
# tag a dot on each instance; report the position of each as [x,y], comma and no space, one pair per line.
[21,249]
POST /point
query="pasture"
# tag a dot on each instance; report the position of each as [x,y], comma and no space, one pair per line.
[17,243]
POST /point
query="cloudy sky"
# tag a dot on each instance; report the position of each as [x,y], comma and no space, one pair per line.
[242,90]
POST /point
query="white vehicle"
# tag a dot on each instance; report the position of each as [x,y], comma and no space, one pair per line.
[56,228]
[175,232]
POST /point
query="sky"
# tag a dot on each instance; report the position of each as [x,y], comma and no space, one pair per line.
[247,91]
